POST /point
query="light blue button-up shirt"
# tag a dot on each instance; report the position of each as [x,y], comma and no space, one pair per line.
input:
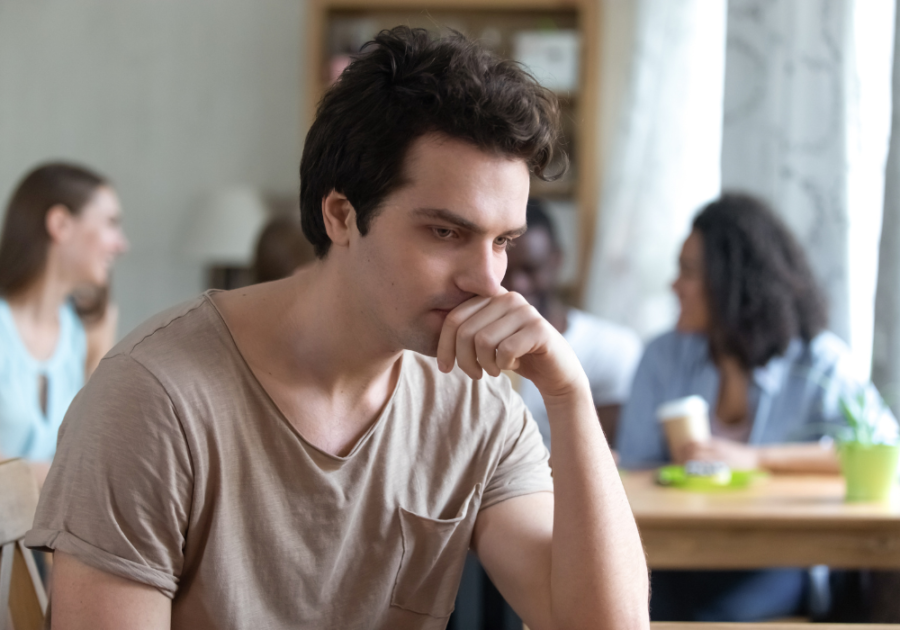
[25,430]
[790,398]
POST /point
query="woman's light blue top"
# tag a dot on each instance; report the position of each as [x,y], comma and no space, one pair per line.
[790,397]
[25,431]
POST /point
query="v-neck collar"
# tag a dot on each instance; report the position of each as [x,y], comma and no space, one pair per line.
[226,334]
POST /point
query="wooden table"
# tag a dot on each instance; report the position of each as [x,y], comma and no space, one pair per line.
[782,521]
[666,625]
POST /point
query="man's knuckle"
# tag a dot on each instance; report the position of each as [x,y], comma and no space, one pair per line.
[455,319]
[482,338]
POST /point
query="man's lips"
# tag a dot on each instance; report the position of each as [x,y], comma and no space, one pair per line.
[446,307]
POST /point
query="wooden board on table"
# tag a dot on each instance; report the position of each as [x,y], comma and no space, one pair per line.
[783,521]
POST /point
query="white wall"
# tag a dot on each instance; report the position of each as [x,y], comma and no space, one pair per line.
[170,99]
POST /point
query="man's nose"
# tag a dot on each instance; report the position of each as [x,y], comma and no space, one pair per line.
[481,272]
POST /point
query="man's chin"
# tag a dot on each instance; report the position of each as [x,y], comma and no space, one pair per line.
[423,342]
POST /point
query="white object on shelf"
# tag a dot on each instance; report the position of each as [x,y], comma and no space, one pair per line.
[225,226]
[551,56]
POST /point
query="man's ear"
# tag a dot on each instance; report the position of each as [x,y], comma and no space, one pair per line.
[340,218]
[58,223]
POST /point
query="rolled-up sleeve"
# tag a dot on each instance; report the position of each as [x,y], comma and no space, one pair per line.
[118,494]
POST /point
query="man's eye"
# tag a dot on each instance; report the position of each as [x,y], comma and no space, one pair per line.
[442,233]
[505,242]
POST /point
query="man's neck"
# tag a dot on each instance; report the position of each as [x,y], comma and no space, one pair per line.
[308,346]
[310,331]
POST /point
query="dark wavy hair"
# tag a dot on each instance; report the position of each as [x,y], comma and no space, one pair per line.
[406,84]
[760,289]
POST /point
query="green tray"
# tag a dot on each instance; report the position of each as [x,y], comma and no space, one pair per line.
[675,477]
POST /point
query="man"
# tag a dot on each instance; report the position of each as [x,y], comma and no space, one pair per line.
[609,353]
[303,453]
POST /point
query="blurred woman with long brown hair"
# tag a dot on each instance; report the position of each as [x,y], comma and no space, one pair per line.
[61,233]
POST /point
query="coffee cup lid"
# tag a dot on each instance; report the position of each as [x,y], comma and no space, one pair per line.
[688,406]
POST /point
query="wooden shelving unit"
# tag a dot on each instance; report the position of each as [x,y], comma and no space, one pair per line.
[336,27]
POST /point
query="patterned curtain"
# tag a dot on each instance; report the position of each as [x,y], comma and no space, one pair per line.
[806,123]
[664,161]
[886,347]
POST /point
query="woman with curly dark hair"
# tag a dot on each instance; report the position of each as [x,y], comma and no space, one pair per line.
[751,340]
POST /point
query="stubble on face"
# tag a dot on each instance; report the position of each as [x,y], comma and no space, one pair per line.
[414,277]
[393,290]
[422,338]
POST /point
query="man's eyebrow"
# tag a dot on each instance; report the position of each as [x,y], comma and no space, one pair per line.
[455,219]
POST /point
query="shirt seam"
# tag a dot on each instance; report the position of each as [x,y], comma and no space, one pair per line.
[200,303]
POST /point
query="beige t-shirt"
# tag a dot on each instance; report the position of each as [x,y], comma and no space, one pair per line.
[176,469]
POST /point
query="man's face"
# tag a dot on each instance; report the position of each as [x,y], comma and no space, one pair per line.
[438,240]
[533,268]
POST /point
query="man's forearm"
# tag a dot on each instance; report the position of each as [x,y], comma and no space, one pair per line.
[599,573]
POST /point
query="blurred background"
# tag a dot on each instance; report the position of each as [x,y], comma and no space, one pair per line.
[196,110]
[192,108]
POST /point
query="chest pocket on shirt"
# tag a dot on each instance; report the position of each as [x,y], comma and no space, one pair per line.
[434,553]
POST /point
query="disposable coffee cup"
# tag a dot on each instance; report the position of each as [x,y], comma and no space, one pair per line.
[684,420]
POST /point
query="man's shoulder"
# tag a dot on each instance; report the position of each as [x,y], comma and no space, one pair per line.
[187,339]
[168,328]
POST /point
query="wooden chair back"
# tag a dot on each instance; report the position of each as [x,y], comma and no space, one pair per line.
[22,595]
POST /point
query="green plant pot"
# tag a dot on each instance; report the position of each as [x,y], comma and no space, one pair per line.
[869,469]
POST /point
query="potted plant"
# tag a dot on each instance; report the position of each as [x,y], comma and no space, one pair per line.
[868,457]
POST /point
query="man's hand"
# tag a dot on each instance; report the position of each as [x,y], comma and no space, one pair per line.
[506,333]
[736,455]
[573,560]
